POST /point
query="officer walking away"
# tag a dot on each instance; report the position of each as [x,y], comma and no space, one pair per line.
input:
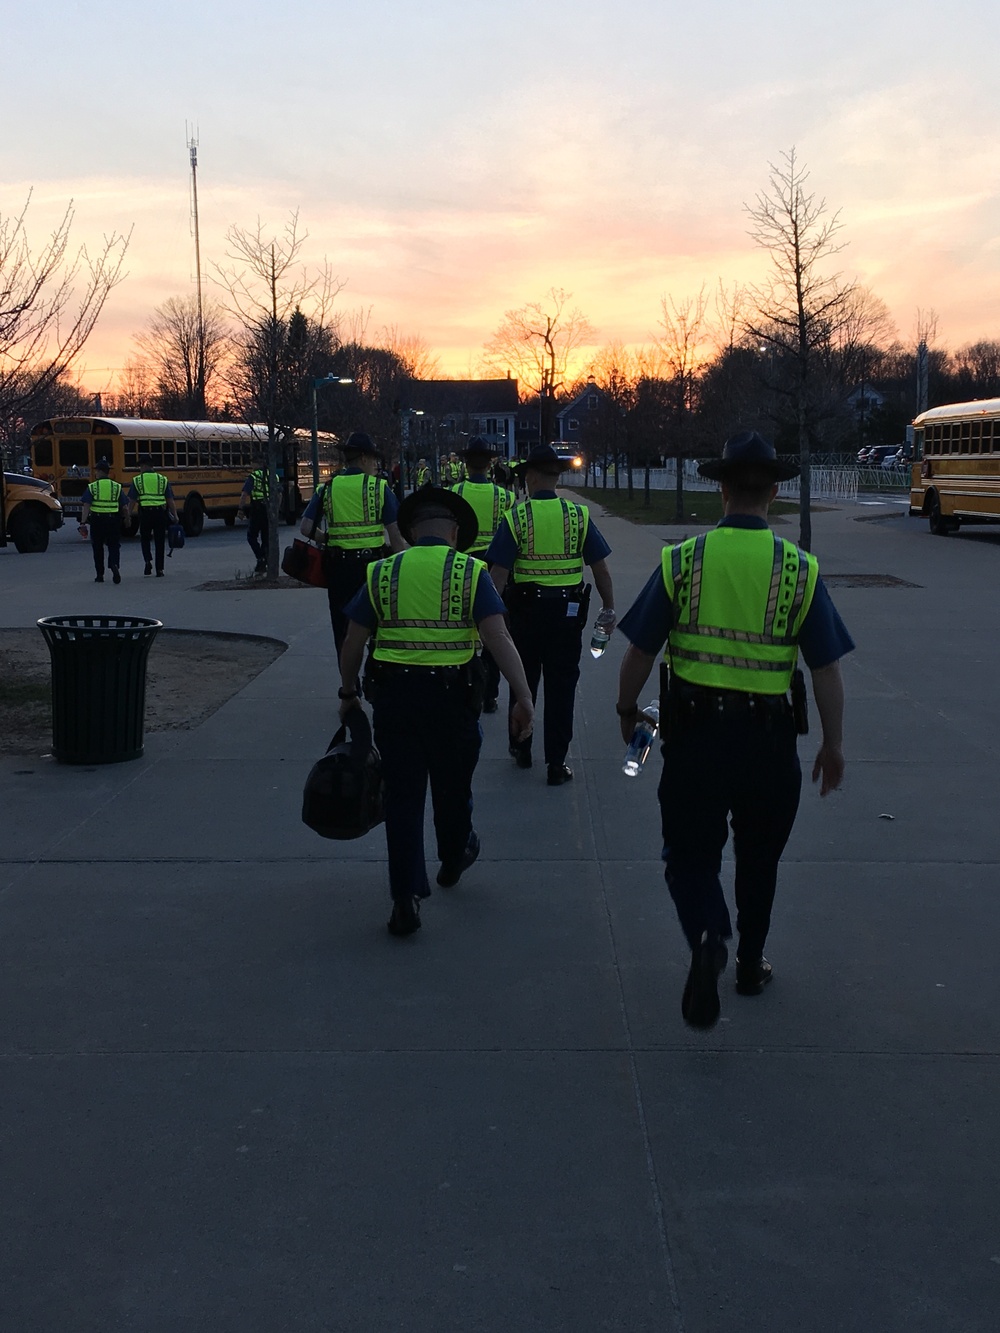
[358,511]
[424,607]
[490,502]
[537,557]
[152,496]
[734,608]
[254,494]
[103,502]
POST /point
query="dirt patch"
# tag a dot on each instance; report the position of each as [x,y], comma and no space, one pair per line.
[279,584]
[189,675]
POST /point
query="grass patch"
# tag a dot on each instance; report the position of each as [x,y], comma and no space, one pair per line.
[699,506]
[15,694]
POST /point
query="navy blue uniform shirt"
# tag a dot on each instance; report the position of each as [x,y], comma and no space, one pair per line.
[503,547]
[390,508]
[487,601]
[823,638]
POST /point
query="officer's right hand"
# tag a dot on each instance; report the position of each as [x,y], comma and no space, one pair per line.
[522,720]
[345,707]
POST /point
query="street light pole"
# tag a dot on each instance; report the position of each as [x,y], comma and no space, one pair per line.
[316,383]
[404,440]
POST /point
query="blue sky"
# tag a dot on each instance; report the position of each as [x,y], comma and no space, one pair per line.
[453,159]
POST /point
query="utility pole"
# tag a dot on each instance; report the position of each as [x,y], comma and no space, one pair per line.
[200,352]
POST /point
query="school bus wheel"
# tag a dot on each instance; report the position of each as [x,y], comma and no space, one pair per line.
[939,525]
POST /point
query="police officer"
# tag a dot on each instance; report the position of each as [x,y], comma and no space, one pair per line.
[103,502]
[423,474]
[254,494]
[153,497]
[541,547]
[424,607]
[734,607]
[490,502]
[359,511]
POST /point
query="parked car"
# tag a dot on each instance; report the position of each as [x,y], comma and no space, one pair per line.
[880,452]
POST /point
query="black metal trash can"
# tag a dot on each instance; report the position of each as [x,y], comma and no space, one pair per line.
[98,685]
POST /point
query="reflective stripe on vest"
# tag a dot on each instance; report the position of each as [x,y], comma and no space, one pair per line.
[151,488]
[739,597]
[259,479]
[550,536]
[423,598]
[105,496]
[353,507]
[490,504]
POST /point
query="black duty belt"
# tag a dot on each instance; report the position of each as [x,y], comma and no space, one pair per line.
[352,553]
[544,592]
[702,700]
[390,669]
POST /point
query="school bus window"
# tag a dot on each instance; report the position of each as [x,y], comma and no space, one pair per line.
[975,437]
[43,453]
[73,453]
[987,444]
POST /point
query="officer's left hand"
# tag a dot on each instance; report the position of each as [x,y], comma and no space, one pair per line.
[345,707]
[522,720]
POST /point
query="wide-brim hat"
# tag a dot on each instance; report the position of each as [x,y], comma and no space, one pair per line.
[746,450]
[436,502]
[358,443]
[543,458]
[478,448]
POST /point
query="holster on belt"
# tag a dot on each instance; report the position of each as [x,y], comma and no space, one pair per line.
[800,703]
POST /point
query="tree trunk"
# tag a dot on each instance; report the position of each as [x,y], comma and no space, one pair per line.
[630,476]
[645,493]
[273,498]
[679,491]
[805,483]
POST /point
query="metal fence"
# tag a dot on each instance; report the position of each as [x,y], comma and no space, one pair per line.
[841,483]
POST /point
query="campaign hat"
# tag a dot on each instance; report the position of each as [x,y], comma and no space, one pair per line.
[748,449]
[479,448]
[437,502]
[359,443]
[542,458]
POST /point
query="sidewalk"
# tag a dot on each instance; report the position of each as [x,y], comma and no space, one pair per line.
[234,1105]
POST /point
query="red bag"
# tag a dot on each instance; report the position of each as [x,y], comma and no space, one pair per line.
[304,562]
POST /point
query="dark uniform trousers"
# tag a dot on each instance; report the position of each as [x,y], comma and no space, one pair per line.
[549,642]
[732,762]
[425,729]
[257,529]
[153,524]
[492,671]
[345,574]
[106,530]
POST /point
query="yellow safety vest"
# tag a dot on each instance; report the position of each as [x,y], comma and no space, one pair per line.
[739,597]
[105,496]
[423,475]
[550,535]
[151,488]
[259,479]
[423,598]
[353,505]
[490,503]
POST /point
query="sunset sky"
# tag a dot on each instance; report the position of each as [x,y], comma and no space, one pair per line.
[453,159]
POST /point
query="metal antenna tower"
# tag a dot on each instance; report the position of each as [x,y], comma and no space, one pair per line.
[200,351]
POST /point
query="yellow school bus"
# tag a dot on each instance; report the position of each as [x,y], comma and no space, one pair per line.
[206,462]
[956,476]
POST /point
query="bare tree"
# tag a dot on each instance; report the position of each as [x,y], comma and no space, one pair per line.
[535,343]
[134,390]
[412,350]
[184,346]
[799,303]
[681,345]
[50,301]
[266,285]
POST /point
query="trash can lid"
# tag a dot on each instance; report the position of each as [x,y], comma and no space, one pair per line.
[98,627]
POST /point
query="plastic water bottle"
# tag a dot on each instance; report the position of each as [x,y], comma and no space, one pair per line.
[599,640]
[642,740]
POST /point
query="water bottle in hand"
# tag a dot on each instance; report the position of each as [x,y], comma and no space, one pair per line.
[642,740]
[603,626]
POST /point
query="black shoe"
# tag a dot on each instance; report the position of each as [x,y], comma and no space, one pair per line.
[148,569]
[260,567]
[99,579]
[558,774]
[159,573]
[490,706]
[700,1001]
[752,976]
[405,917]
[115,575]
[521,752]
[449,875]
